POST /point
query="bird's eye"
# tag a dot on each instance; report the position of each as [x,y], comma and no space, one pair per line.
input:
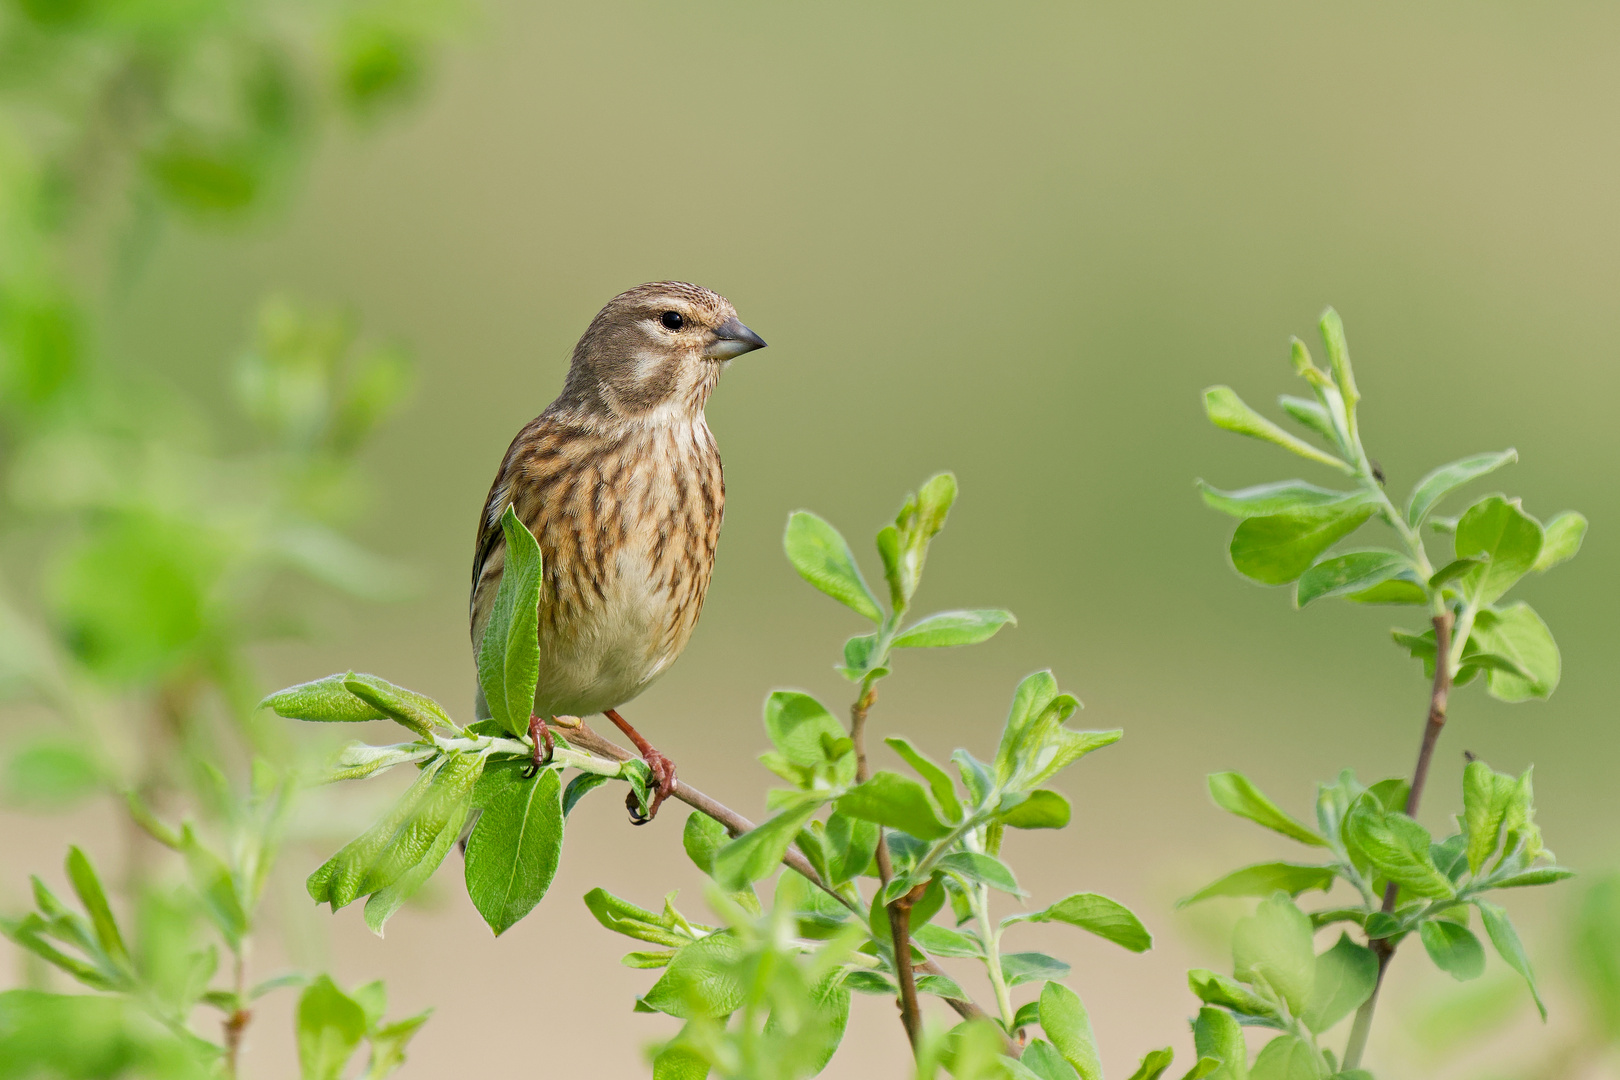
[672,320]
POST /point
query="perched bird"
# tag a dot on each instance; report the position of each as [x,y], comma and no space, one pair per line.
[620,482]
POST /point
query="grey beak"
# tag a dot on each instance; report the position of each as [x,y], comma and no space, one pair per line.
[732,338]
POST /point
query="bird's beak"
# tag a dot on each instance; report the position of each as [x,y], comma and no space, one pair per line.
[732,338]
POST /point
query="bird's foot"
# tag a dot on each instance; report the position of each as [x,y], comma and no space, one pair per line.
[540,735]
[662,787]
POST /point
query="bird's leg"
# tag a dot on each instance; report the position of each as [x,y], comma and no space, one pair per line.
[663,769]
[540,735]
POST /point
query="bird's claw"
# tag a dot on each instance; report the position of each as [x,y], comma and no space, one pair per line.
[540,735]
[661,788]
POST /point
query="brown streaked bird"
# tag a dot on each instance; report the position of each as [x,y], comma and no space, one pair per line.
[620,482]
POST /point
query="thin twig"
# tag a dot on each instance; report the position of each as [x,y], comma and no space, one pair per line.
[735,824]
[1384,948]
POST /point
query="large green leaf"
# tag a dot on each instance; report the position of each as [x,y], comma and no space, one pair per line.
[325,701]
[509,653]
[802,729]
[1486,797]
[1093,912]
[1272,948]
[331,1026]
[756,853]
[939,782]
[1288,1058]
[1517,633]
[1351,572]
[1066,1023]
[1398,847]
[1217,1034]
[1278,548]
[1448,478]
[513,852]
[1508,538]
[896,801]
[1345,977]
[1453,948]
[702,980]
[822,557]
[418,712]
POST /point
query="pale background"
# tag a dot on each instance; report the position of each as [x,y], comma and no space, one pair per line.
[1014,241]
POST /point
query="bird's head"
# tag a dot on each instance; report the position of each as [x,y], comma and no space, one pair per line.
[657,346]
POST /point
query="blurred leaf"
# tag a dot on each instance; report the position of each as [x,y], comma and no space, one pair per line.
[513,851]
[1236,794]
[1510,540]
[378,66]
[388,1044]
[51,772]
[1453,949]
[954,628]
[1217,1034]
[509,653]
[87,886]
[871,982]
[1153,1065]
[702,980]
[896,801]
[1066,1023]
[331,1026]
[1351,572]
[212,879]
[1345,977]
[1043,809]
[1213,989]
[822,557]
[1263,879]
[1596,952]
[1023,967]
[1561,541]
[1506,939]
[1448,478]
[1272,947]
[1517,633]
[1042,1059]
[1278,548]
[1288,1058]
[1262,500]
[1227,411]
[1093,912]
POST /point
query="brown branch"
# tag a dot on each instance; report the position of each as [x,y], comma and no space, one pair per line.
[1384,948]
[735,824]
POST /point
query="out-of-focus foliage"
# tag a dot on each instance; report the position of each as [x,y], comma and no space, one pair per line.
[145,544]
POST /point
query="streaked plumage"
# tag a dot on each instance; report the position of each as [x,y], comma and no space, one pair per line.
[620,482]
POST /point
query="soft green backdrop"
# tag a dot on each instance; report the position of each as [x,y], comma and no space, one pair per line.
[1013,240]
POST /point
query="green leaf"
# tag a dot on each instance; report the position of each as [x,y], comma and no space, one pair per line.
[755,854]
[1093,912]
[851,843]
[1351,572]
[978,867]
[1517,633]
[1236,794]
[943,941]
[1217,1034]
[822,557]
[581,785]
[387,900]
[1509,539]
[513,852]
[331,1026]
[702,980]
[860,656]
[1043,809]
[1453,948]
[1264,499]
[1397,590]
[939,782]
[871,982]
[388,1044]
[1398,847]
[1203,1067]
[1272,947]
[51,773]
[216,886]
[87,886]
[1310,414]
[904,545]
[444,806]
[1066,1023]
[1288,1058]
[1278,548]
[954,628]
[1453,570]
[1338,350]
[1227,411]
[1540,875]
[897,802]
[1448,478]
[623,917]
[1042,1059]
[802,729]
[703,837]
[1345,977]
[1561,540]
[1486,797]
[1263,879]
[509,653]
[324,701]
[1506,939]
[1213,989]
[1022,967]
[1153,1065]
[418,712]
[942,986]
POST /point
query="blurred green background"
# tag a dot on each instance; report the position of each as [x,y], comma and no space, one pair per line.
[1014,241]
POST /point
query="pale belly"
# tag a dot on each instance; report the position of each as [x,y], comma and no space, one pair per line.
[613,650]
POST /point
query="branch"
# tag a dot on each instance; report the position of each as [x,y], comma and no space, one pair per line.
[1383,948]
[735,824]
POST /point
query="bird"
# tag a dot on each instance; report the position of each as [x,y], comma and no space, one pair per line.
[620,481]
